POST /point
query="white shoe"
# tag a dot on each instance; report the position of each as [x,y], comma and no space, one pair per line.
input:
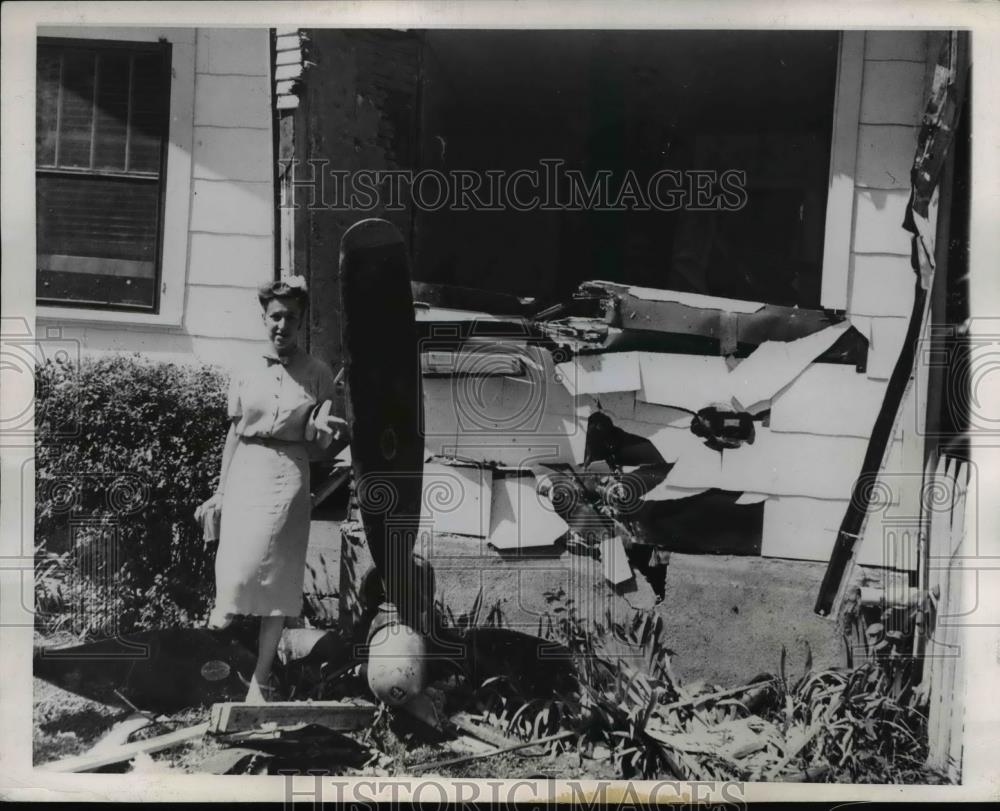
[218,620]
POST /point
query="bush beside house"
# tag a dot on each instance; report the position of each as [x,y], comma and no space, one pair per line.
[125,450]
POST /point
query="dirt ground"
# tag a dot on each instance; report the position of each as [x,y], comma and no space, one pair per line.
[728,615]
[728,618]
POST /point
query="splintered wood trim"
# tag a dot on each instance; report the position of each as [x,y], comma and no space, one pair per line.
[843,160]
[90,761]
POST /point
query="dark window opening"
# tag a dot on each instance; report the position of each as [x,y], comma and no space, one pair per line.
[759,102]
[102,119]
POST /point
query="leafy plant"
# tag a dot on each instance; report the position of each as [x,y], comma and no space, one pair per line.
[126,448]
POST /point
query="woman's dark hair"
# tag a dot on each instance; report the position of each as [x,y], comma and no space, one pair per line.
[291,287]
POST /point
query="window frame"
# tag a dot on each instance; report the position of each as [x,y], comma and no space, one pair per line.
[175,181]
[163,48]
[838,231]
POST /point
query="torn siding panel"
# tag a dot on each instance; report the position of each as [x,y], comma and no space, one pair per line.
[289,65]
[828,399]
[775,364]
[776,464]
[886,342]
[617,405]
[801,528]
[688,381]
[457,499]
[520,517]
[600,374]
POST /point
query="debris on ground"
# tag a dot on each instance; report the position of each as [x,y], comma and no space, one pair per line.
[609,705]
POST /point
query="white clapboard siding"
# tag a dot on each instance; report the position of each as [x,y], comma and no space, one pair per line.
[830,399]
[233,101]
[223,312]
[896,45]
[232,153]
[878,223]
[882,285]
[801,528]
[885,155]
[230,259]
[892,92]
[232,207]
[240,51]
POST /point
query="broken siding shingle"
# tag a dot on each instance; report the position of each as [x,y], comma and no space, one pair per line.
[289,67]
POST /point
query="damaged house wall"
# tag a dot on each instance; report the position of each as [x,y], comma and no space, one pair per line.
[810,446]
[218,201]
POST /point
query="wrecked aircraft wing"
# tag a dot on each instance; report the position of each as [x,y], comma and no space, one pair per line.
[689,388]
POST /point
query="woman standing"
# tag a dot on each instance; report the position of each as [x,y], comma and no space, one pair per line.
[264,484]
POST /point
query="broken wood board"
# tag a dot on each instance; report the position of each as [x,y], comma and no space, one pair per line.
[457,499]
[119,734]
[521,518]
[601,373]
[829,399]
[96,760]
[775,364]
[340,716]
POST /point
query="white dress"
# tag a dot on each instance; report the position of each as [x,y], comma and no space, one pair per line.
[260,563]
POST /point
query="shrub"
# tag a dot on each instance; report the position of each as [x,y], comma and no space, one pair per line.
[125,450]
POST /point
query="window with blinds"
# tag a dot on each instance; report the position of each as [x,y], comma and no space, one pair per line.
[101,132]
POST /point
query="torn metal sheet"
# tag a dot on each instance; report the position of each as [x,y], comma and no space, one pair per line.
[729,325]
[697,300]
[521,518]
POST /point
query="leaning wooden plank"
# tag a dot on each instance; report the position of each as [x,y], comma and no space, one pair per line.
[340,716]
[90,762]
